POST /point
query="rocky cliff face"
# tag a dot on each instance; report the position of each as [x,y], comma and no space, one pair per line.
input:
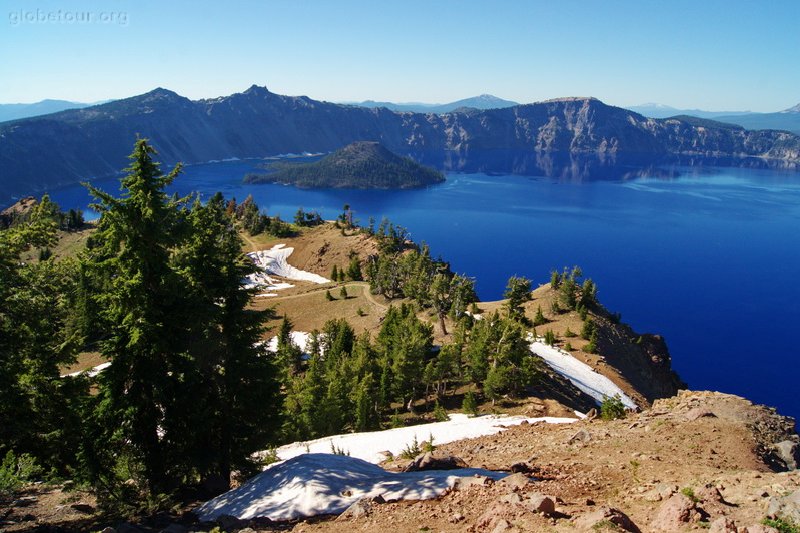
[79,144]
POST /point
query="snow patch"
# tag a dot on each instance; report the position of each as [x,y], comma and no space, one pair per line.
[299,338]
[273,262]
[92,372]
[371,446]
[314,484]
[579,373]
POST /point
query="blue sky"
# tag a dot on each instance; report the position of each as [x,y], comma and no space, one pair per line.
[708,54]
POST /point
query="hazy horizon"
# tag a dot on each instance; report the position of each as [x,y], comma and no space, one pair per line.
[712,55]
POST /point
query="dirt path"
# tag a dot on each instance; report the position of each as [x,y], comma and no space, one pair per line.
[249,241]
[363,284]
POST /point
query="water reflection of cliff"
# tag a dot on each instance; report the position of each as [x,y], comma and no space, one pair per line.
[576,168]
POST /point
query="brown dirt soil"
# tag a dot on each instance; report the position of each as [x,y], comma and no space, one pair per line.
[633,465]
[46,508]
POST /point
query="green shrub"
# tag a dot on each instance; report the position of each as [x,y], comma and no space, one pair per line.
[784,525]
[411,450]
[589,327]
[428,446]
[549,337]
[338,451]
[16,471]
[569,333]
[689,493]
[539,319]
[329,296]
[439,413]
[612,408]
[470,404]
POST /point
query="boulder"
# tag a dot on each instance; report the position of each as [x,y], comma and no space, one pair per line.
[788,451]
[230,523]
[698,412]
[462,483]
[539,503]
[516,481]
[83,508]
[581,435]
[605,515]
[361,508]
[428,461]
[676,512]
[787,507]
[723,524]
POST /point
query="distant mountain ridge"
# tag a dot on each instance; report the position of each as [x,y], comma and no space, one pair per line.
[654,110]
[44,107]
[70,146]
[484,101]
[787,120]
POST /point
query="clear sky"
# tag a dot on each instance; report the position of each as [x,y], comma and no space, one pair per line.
[707,54]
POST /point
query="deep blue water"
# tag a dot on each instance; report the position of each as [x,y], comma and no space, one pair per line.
[705,256]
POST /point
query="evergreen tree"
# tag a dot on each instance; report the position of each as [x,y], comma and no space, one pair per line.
[354,269]
[235,376]
[539,319]
[518,291]
[135,236]
[38,410]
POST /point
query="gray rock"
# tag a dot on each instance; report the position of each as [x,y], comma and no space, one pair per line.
[787,507]
[539,503]
[83,508]
[230,523]
[428,461]
[516,481]
[462,483]
[788,451]
[605,515]
[581,435]
[723,524]
[513,498]
[361,508]
[501,526]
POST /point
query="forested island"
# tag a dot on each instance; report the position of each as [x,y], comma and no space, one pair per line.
[359,165]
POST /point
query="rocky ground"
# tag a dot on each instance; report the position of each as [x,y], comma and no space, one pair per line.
[700,460]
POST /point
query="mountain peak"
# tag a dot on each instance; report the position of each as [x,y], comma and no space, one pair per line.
[256,90]
[160,92]
[795,109]
[572,99]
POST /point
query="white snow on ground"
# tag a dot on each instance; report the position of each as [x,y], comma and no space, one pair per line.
[313,484]
[311,481]
[274,262]
[300,338]
[370,445]
[92,372]
[579,373]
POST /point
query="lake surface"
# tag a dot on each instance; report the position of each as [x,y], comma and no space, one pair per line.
[705,256]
